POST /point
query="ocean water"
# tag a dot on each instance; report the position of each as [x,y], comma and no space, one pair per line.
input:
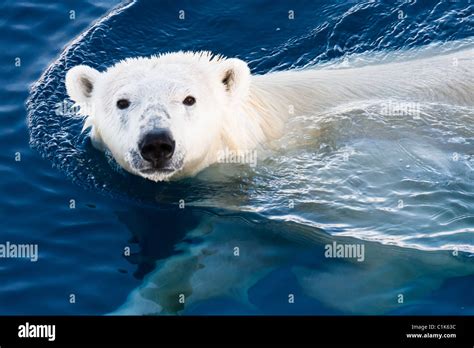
[248,240]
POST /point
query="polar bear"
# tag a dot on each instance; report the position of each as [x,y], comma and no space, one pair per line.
[169,116]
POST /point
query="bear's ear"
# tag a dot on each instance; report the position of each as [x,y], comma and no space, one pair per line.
[235,77]
[80,82]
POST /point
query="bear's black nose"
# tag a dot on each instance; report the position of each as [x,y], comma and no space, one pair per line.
[157,147]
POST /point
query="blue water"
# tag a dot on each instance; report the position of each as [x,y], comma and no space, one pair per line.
[190,251]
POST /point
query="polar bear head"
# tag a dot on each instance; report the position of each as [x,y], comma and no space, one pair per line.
[161,117]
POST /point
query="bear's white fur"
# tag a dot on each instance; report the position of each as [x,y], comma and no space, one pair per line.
[235,110]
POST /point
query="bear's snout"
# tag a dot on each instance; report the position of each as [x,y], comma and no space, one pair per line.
[157,147]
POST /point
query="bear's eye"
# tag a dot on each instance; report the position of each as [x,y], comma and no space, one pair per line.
[123,104]
[189,100]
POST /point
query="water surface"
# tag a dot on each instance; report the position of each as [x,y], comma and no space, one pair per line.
[400,185]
